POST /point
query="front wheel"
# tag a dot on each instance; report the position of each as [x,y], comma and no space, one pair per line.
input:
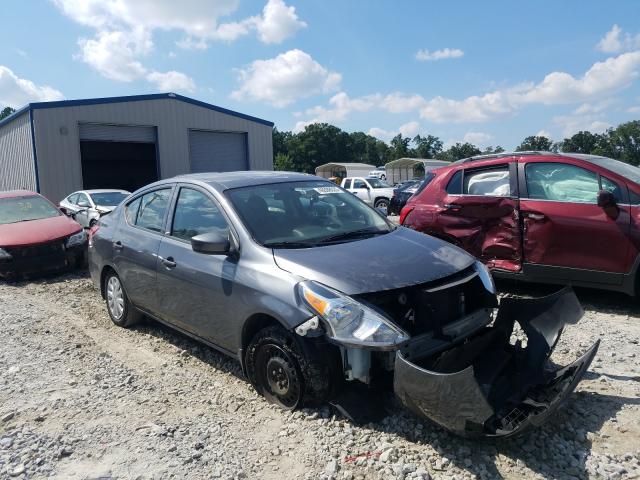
[120,308]
[284,372]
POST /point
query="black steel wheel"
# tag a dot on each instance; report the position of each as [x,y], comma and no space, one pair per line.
[286,371]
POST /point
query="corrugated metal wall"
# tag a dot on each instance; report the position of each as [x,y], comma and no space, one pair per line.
[58,145]
[16,155]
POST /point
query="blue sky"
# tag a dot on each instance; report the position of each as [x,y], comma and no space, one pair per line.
[488,72]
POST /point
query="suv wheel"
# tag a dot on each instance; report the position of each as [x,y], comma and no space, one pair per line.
[284,372]
[120,309]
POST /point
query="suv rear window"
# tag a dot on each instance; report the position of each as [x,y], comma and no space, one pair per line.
[492,182]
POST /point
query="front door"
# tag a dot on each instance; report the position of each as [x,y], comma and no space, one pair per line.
[480,212]
[563,225]
[362,190]
[194,289]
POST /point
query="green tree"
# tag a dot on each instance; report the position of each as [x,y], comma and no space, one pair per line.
[459,151]
[623,143]
[535,143]
[489,150]
[427,147]
[400,147]
[283,162]
[582,142]
[6,111]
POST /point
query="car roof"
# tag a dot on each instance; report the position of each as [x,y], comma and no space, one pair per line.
[102,190]
[17,193]
[227,180]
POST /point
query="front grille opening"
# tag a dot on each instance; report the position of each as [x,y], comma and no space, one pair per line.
[430,306]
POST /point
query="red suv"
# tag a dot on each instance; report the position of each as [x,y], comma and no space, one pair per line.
[538,216]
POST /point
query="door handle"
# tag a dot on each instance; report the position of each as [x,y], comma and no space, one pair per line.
[169,262]
[118,245]
[534,216]
[453,206]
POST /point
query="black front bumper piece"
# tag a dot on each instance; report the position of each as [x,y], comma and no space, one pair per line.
[488,386]
[44,258]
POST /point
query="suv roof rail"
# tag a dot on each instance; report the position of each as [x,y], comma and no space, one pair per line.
[503,155]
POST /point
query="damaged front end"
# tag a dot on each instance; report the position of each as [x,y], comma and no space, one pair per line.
[483,384]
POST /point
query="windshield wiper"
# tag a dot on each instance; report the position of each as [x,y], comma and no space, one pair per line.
[286,244]
[353,234]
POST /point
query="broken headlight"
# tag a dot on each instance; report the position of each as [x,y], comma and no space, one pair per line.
[4,255]
[348,321]
[76,239]
[485,276]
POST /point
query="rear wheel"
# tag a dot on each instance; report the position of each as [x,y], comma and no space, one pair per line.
[283,371]
[381,203]
[120,308]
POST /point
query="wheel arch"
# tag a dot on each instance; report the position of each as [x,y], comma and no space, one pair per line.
[251,326]
[103,275]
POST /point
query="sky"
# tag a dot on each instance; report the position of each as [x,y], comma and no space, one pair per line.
[490,73]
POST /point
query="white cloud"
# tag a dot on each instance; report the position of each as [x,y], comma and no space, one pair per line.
[543,133]
[477,138]
[115,54]
[409,129]
[427,56]
[615,41]
[278,22]
[600,81]
[284,79]
[16,92]
[574,123]
[172,81]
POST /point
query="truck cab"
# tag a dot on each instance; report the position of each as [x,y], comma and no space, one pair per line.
[370,190]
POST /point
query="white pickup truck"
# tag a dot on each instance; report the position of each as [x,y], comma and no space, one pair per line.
[371,190]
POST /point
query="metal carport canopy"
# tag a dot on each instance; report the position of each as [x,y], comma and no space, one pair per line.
[335,169]
[403,168]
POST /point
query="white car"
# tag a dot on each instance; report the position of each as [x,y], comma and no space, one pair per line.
[87,206]
[371,190]
[379,172]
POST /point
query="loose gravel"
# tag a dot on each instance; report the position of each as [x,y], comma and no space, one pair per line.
[83,399]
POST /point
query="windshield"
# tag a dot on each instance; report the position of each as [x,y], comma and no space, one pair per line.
[305,214]
[24,209]
[108,198]
[377,183]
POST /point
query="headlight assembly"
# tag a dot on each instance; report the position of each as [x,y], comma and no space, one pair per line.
[76,239]
[348,321]
[4,255]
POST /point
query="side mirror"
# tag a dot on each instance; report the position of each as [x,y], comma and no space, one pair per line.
[606,199]
[211,243]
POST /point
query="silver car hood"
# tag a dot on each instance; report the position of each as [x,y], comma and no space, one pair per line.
[395,260]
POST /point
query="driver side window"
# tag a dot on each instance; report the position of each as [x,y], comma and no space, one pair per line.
[561,182]
[195,214]
[359,184]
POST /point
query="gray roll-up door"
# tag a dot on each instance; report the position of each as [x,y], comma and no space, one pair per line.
[117,133]
[217,151]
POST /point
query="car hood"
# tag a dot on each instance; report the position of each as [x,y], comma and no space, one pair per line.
[37,231]
[395,260]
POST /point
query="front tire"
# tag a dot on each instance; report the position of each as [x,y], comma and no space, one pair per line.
[284,371]
[120,308]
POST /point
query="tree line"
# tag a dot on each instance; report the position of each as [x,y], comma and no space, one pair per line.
[321,143]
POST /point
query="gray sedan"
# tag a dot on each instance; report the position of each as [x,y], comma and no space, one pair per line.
[315,292]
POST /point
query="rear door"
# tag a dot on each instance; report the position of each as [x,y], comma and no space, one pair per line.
[480,212]
[195,289]
[563,225]
[136,243]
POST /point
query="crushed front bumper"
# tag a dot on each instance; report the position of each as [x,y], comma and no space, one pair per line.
[38,259]
[488,386]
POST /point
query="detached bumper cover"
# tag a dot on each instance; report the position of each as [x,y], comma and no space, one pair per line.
[44,258]
[489,387]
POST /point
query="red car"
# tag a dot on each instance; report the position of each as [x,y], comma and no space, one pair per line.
[537,216]
[36,237]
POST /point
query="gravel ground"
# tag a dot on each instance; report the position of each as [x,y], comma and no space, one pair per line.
[82,398]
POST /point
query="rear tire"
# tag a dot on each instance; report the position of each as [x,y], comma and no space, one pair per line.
[120,308]
[381,203]
[285,372]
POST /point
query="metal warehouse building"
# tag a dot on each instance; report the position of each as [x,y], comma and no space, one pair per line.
[56,148]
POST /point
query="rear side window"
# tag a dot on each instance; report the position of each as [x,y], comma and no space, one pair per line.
[454,187]
[131,211]
[347,183]
[195,214]
[561,182]
[151,210]
[491,182]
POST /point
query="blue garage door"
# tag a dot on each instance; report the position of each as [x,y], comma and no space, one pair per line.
[217,151]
